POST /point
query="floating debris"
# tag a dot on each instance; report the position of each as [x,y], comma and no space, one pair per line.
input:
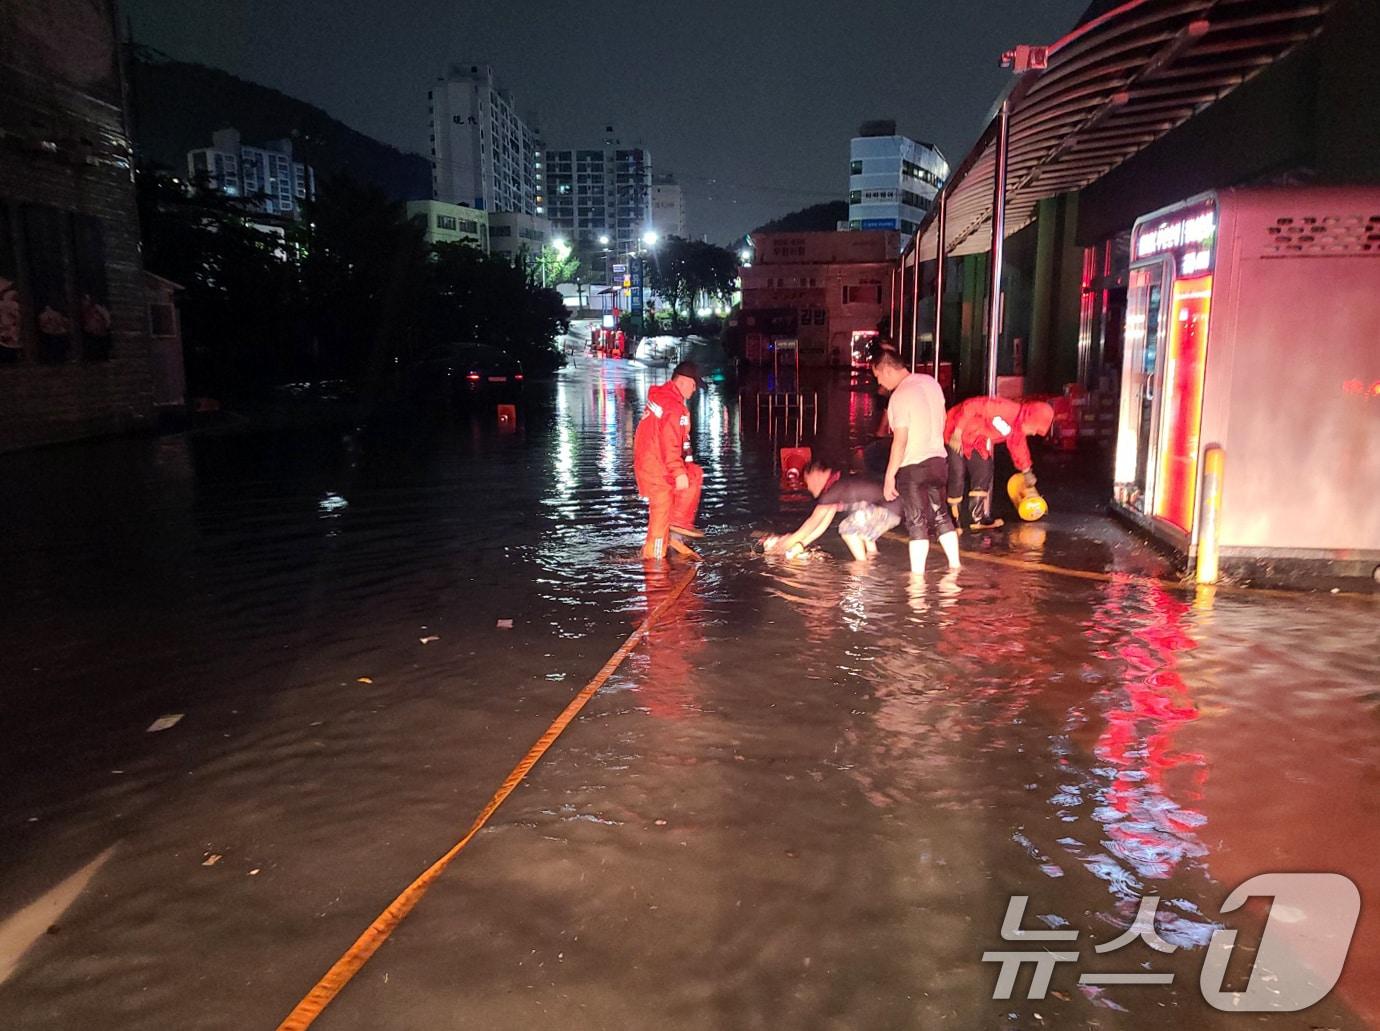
[164,722]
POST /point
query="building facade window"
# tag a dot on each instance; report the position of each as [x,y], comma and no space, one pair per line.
[864,293]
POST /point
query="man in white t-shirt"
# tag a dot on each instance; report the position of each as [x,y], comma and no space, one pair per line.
[918,470]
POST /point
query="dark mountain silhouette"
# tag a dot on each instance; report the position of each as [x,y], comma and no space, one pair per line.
[824,216]
[175,106]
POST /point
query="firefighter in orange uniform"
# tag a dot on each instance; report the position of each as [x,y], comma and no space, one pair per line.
[972,429]
[665,476]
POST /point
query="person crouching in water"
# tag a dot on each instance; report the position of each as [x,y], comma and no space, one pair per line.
[869,514]
[972,430]
[665,476]
[916,470]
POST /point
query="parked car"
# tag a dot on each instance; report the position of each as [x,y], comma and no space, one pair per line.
[463,371]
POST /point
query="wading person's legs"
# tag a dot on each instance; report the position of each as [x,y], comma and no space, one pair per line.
[956,466]
[686,503]
[981,469]
[658,523]
[861,528]
[911,487]
[922,488]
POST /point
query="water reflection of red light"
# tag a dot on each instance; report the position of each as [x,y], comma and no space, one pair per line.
[672,643]
[1146,827]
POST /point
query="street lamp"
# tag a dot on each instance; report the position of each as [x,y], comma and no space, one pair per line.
[650,238]
[745,255]
[562,251]
[604,240]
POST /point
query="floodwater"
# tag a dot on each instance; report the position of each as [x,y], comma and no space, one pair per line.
[804,802]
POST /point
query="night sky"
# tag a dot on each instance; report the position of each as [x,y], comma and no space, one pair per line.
[750,102]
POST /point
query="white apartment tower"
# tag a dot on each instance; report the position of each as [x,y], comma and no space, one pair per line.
[668,206]
[483,153]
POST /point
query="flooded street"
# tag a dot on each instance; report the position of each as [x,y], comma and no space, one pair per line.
[803,802]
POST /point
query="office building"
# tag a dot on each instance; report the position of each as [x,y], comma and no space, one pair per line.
[451,223]
[514,235]
[600,199]
[267,175]
[483,153]
[892,179]
[668,206]
[820,295]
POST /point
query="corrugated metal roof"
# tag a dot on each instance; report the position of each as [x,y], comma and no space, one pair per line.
[1113,86]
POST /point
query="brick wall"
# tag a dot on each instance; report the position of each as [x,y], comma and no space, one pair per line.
[46,403]
[63,145]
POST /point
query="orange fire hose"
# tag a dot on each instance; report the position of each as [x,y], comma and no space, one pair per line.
[358,954]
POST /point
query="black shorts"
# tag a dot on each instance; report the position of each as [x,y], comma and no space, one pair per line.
[922,487]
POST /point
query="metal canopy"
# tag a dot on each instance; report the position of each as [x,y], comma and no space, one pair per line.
[1111,88]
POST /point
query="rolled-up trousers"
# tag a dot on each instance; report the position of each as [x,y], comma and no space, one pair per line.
[980,469]
[921,487]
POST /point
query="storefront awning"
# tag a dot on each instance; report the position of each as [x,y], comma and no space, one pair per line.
[1105,92]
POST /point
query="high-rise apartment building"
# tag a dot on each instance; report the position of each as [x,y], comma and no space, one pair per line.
[600,199]
[668,206]
[892,179]
[267,175]
[483,153]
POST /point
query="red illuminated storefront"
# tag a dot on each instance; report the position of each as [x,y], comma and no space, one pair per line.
[1251,315]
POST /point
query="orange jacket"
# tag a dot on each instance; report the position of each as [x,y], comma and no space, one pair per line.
[662,442]
[981,422]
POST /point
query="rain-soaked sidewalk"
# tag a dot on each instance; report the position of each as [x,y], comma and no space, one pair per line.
[803,802]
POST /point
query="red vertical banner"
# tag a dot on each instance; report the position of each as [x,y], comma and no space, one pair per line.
[1185,361]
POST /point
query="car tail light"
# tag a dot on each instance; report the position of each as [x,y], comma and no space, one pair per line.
[517,375]
[472,376]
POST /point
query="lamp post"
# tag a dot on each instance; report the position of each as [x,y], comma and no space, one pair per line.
[998,243]
[649,242]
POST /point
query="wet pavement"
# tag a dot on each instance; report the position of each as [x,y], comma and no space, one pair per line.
[804,802]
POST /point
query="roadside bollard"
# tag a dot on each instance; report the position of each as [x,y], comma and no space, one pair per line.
[1214,458]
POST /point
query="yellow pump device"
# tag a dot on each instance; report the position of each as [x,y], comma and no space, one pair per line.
[1029,504]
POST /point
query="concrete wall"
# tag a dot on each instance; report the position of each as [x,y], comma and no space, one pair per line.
[1292,388]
